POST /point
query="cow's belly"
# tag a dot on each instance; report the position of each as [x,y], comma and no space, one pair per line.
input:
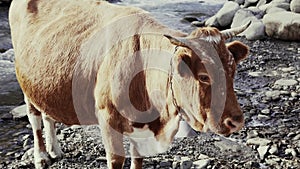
[52,93]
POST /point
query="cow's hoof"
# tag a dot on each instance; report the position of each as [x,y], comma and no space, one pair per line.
[42,161]
[58,154]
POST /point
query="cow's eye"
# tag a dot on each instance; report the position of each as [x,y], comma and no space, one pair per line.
[204,78]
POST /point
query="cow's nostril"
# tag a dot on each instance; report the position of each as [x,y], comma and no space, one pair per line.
[230,124]
[233,125]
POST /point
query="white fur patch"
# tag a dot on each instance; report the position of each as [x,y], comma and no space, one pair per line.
[213,39]
[146,143]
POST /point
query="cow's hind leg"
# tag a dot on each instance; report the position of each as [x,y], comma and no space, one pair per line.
[52,145]
[41,159]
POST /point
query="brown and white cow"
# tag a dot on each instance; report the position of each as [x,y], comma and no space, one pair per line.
[90,62]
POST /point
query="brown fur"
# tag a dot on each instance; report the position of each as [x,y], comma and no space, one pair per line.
[33,6]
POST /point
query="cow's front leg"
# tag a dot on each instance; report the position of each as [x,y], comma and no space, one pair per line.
[136,159]
[41,159]
[113,143]
[52,145]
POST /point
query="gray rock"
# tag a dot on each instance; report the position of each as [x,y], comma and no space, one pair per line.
[19,112]
[274,10]
[255,74]
[198,23]
[290,151]
[226,13]
[8,55]
[261,2]
[252,134]
[201,163]
[165,164]
[227,145]
[286,29]
[28,155]
[295,6]
[266,111]
[263,117]
[212,21]
[273,95]
[258,141]
[262,151]
[297,137]
[240,2]
[250,3]
[288,69]
[286,82]
[255,31]
[273,160]
[186,164]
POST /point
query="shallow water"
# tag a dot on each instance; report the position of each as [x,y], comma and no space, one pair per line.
[169,12]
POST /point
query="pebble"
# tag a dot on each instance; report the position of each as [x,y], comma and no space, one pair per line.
[190,18]
[263,117]
[273,149]
[266,111]
[203,156]
[165,164]
[227,145]
[273,95]
[262,150]
[255,74]
[297,137]
[294,94]
[186,164]
[288,69]
[286,82]
[290,151]
[273,160]
[201,163]
[258,141]
[198,23]
[252,134]
[19,112]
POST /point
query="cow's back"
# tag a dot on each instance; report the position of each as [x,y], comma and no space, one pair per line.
[47,37]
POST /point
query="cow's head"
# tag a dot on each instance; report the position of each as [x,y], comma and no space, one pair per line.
[204,68]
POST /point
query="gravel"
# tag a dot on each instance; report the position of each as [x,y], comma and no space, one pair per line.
[268,88]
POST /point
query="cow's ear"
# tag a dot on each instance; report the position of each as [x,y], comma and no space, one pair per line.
[178,41]
[238,49]
[184,65]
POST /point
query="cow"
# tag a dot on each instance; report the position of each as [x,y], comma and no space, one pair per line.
[87,62]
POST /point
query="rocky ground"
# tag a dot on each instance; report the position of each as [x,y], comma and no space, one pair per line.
[268,89]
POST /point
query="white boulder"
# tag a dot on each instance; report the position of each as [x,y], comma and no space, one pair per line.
[295,6]
[283,25]
[226,13]
[255,31]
